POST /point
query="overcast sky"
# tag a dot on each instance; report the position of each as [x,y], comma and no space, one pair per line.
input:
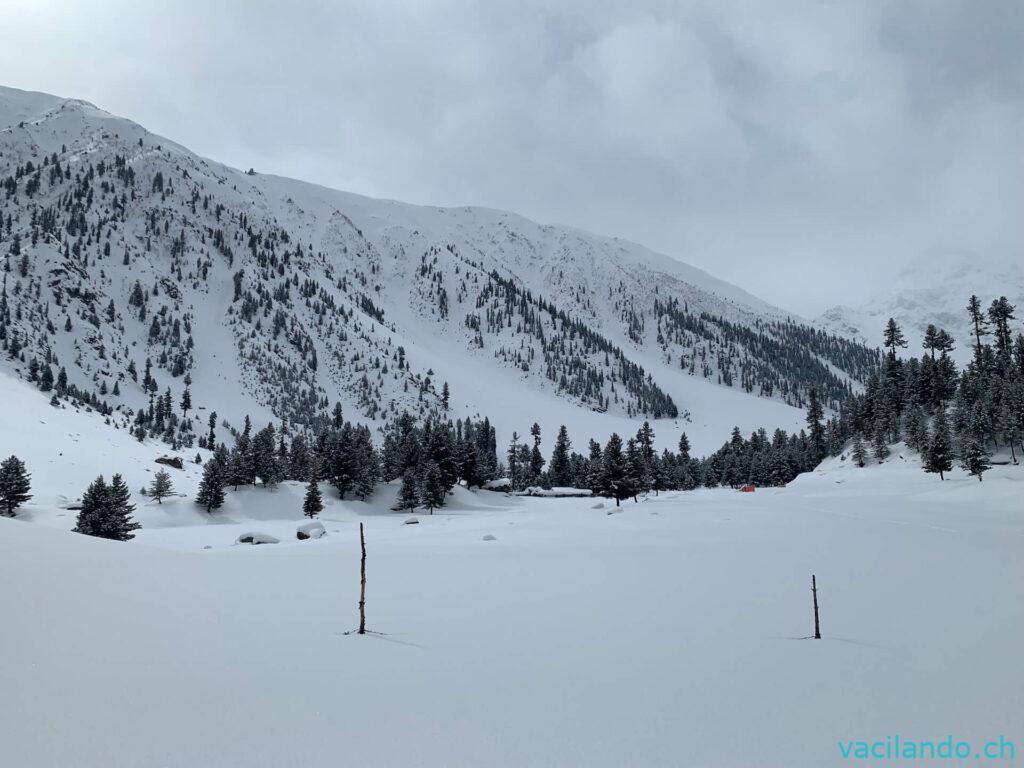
[798,149]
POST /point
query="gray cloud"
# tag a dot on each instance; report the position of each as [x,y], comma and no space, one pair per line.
[798,149]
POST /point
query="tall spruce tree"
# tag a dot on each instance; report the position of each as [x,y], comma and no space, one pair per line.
[893,337]
[211,487]
[106,511]
[815,414]
[313,503]
[92,510]
[15,484]
[558,467]
[979,324]
[536,459]
[939,459]
[974,459]
[433,491]
[595,468]
[638,477]
[615,477]
[408,494]
[514,468]
[119,524]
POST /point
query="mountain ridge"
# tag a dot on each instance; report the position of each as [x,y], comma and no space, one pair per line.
[282,298]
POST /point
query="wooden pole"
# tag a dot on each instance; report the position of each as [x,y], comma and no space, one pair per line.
[362,583]
[814,591]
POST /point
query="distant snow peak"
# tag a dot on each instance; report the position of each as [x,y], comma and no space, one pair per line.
[931,289]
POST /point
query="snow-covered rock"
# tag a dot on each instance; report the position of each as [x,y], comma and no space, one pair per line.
[562,492]
[310,530]
[502,484]
[257,538]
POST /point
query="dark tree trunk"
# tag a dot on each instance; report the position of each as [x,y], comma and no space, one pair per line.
[362,583]
[814,591]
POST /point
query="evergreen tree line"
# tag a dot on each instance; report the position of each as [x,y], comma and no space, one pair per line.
[430,457]
[945,413]
[773,358]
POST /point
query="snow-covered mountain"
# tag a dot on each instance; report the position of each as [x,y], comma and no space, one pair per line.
[931,290]
[140,269]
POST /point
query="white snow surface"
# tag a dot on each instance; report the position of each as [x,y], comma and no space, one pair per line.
[672,633]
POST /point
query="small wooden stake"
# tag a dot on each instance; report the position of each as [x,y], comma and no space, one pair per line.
[362,584]
[814,591]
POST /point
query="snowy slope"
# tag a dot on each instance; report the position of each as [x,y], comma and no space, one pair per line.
[670,633]
[933,290]
[64,449]
[279,299]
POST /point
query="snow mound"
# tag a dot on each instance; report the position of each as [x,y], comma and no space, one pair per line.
[558,492]
[257,538]
[311,530]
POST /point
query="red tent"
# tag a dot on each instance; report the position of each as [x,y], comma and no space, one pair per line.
[747,488]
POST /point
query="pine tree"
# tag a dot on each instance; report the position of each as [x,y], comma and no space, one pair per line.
[615,479]
[684,447]
[469,465]
[211,487]
[880,441]
[558,468]
[433,491]
[161,487]
[940,449]
[814,416]
[595,468]
[536,459]
[243,466]
[893,337]
[46,379]
[264,456]
[313,503]
[645,441]
[860,454]
[106,511]
[119,524]
[15,484]
[975,459]
[979,323]
[514,470]
[930,339]
[408,495]
[91,513]
[638,479]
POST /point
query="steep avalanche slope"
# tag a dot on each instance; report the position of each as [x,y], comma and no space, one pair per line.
[142,270]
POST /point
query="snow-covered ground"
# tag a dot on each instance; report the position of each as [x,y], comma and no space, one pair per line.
[670,632]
